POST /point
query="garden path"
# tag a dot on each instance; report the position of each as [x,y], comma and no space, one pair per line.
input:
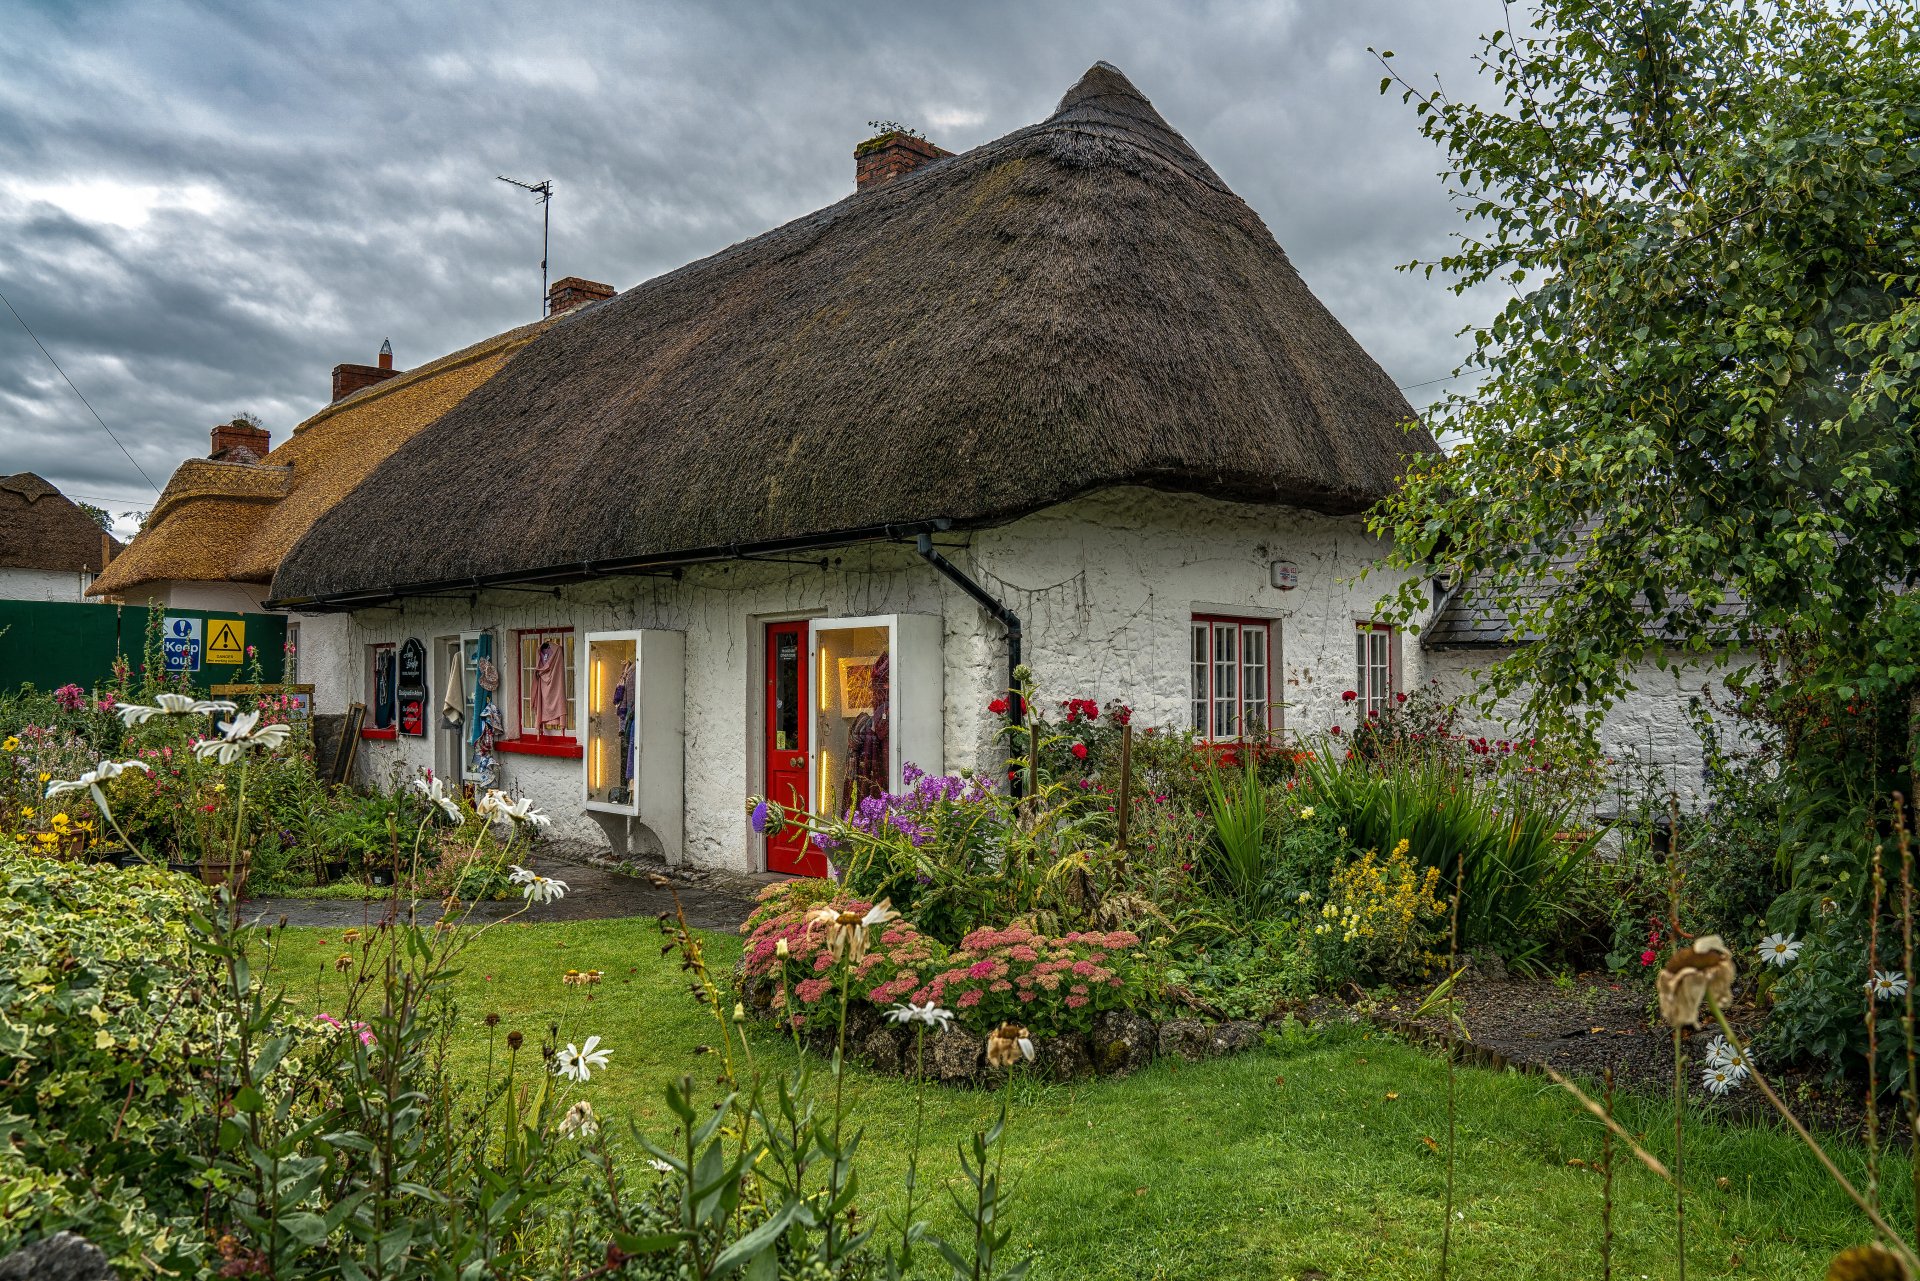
[594,892]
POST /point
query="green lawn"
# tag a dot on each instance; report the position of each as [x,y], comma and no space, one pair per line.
[1307,1158]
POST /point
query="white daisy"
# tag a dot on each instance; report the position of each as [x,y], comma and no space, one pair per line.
[436,792]
[1722,1053]
[537,888]
[930,1014]
[1885,985]
[1779,949]
[497,803]
[577,1062]
[171,705]
[92,779]
[243,734]
[1718,1080]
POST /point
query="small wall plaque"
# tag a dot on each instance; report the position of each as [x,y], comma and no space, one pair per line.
[1285,575]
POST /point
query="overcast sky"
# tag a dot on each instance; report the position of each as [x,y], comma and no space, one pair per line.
[204,208]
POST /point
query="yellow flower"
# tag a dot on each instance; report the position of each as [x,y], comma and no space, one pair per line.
[11,745]
[26,811]
[1306,811]
[1400,850]
[45,777]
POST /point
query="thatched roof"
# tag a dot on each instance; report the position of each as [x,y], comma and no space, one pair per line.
[1078,305]
[232,522]
[41,528]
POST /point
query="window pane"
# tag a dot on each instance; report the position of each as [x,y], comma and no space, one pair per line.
[1226,681]
[1253,666]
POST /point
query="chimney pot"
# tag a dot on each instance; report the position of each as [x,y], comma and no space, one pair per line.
[239,442]
[386,353]
[571,291]
[882,159]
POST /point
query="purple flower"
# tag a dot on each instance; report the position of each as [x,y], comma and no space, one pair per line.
[760,817]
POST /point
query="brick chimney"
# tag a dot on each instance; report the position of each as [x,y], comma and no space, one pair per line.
[239,442]
[571,291]
[886,157]
[348,379]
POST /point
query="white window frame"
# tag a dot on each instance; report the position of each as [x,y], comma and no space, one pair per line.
[1376,654]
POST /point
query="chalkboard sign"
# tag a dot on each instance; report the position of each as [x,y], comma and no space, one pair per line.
[413,688]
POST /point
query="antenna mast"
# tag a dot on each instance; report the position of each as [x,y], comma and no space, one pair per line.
[543,192]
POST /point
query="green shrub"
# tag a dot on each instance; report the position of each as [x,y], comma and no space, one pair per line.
[1518,856]
[104,1013]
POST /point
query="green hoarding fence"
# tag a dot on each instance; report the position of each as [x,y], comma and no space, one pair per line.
[48,644]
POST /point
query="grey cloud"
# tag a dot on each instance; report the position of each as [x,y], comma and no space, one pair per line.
[320,177]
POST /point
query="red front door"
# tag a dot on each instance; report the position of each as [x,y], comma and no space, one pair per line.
[785,749]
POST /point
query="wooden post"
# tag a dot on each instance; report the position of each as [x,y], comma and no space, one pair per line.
[1126,789]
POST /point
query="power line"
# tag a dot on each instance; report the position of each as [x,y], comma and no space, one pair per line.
[1430,382]
[76,391]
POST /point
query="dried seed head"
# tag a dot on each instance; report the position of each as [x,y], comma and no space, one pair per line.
[1867,1263]
[514,1039]
[493,1020]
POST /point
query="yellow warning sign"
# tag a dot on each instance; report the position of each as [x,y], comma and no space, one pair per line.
[226,640]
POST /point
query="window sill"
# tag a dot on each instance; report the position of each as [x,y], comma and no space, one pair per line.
[540,747]
[380,735]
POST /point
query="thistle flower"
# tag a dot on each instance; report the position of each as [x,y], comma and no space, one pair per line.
[1008,1044]
[1690,976]
[1779,949]
[172,705]
[768,818]
[535,887]
[577,1062]
[243,734]
[929,1014]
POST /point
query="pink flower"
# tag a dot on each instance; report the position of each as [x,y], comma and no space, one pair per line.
[980,970]
[969,999]
[1646,957]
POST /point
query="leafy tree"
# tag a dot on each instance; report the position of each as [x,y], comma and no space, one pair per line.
[1702,388]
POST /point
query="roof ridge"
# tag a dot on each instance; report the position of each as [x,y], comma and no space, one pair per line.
[30,486]
[467,355]
[1104,103]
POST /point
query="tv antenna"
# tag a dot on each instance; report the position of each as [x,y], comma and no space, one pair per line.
[543,192]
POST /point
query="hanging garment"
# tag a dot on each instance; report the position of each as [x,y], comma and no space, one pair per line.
[549,689]
[623,706]
[453,695]
[383,689]
[486,679]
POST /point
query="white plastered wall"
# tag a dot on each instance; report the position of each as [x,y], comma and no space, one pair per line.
[44,584]
[1652,726]
[1106,587]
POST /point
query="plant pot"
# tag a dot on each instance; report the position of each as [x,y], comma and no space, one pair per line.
[380,878]
[188,868]
[334,871]
[232,874]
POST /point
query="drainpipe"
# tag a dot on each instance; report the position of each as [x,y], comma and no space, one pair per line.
[1007,618]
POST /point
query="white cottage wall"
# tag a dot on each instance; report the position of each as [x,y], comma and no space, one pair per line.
[1651,729]
[1106,587]
[44,584]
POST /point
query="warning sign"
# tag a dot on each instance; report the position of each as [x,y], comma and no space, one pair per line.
[180,643]
[226,640]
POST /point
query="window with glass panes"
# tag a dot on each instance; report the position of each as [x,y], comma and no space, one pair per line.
[530,643]
[1373,656]
[1231,665]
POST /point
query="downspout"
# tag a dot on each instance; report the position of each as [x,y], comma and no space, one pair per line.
[1007,618]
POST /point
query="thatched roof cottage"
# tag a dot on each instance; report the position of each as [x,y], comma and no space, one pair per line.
[50,548]
[780,521]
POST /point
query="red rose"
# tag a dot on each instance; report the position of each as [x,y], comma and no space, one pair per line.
[1080,751]
[1347,696]
[1334,731]
[998,707]
[1399,698]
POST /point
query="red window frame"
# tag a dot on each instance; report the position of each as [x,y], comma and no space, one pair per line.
[1376,654]
[532,740]
[1205,676]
